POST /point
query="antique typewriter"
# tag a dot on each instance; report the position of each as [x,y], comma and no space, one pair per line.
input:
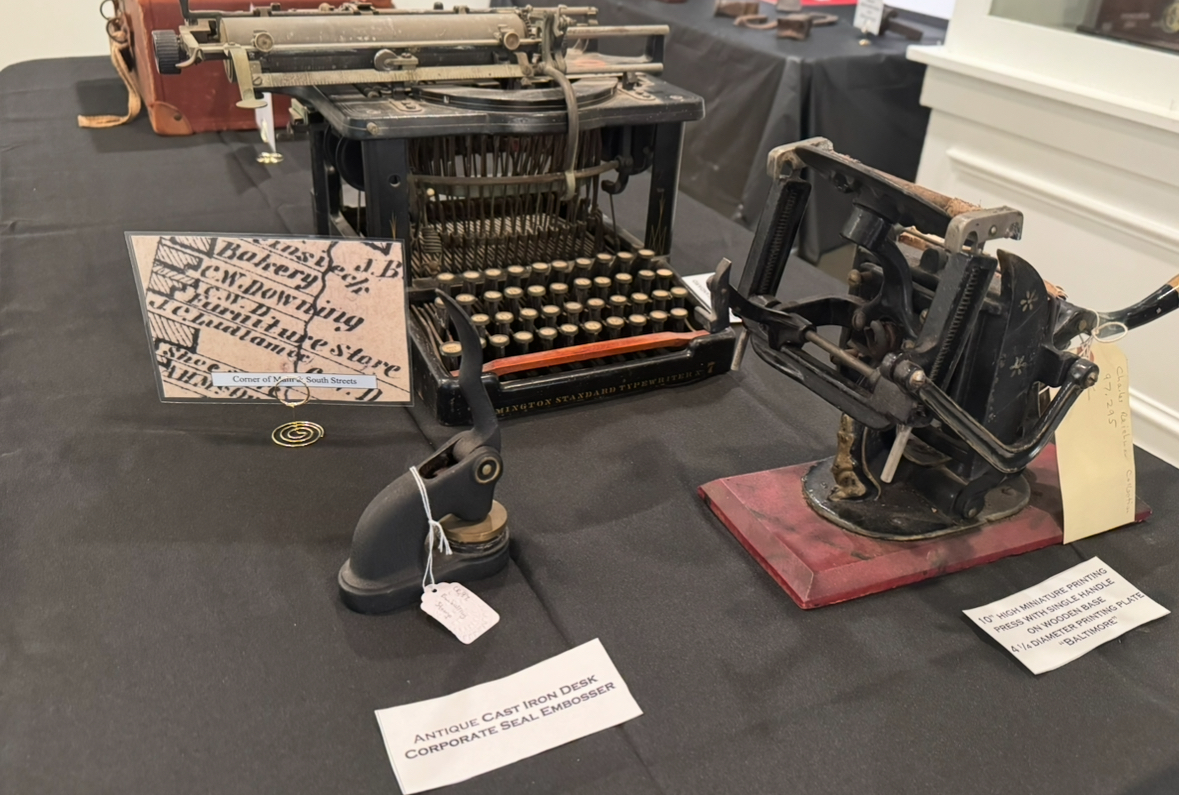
[492,142]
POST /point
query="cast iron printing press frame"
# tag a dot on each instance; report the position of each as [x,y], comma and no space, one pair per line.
[943,354]
[484,140]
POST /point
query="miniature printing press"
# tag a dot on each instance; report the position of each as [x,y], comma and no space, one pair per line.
[491,142]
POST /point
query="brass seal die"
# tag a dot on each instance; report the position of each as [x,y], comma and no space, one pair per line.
[486,529]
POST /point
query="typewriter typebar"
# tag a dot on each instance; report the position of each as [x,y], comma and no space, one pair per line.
[944,354]
[493,141]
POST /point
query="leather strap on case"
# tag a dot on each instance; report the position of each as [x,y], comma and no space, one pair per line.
[120,37]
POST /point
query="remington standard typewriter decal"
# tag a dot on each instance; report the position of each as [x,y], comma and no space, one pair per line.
[332,311]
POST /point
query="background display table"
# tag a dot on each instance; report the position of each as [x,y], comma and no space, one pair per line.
[168,611]
[761,92]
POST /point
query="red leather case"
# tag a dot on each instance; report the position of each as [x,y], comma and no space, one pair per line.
[202,99]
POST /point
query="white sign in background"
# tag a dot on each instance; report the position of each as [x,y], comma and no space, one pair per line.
[1066,616]
[869,15]
[450,739]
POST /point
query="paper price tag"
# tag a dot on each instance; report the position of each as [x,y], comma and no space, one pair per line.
[1095,451]
[1066,616]
[459,610]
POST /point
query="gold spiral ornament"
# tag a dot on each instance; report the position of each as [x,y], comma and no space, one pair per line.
[298,433]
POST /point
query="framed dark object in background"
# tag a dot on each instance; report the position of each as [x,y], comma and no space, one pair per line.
[1154,23]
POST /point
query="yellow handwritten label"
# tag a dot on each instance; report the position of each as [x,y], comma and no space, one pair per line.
[1095,451]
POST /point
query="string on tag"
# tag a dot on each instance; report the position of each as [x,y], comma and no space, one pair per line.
[435,531]
[1110,331]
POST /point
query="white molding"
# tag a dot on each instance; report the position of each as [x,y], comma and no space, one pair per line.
[1145,112]
[1062,197]
[1156,427]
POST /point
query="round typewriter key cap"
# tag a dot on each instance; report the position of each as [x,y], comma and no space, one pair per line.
[503,322]
[450,282]
[451,355]
[545,337]
[550,314]
[568,333]
[523,342]
[497,345]
[661,299]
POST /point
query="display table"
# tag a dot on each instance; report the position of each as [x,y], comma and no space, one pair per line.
[168,611]
[761,92]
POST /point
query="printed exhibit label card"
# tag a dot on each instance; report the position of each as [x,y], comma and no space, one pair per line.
[1066,616]
[453,738]
[225,314]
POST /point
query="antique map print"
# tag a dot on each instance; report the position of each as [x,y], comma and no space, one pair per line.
[312,306]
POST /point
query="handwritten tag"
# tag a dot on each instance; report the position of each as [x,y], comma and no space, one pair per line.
[459,610]
[1066,616]
[450,739]
[1095,452]
[869,15]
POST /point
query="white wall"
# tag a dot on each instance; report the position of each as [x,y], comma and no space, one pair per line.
[50,29]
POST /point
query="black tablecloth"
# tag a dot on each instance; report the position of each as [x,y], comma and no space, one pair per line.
[761,92]
[168,615]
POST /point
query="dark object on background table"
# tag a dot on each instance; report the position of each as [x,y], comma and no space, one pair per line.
[1151,22]
[389,548]
[486,144]
[890,23]
[736,8]
[798,26]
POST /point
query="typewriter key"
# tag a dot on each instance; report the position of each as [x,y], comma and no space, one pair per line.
[492,299]
[503,322]
[550,314]
[568,333]
[591,330]
[545,337]
[614,327]
[523,342]
[451,354]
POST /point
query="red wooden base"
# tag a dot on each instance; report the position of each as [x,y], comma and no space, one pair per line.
[819,564]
